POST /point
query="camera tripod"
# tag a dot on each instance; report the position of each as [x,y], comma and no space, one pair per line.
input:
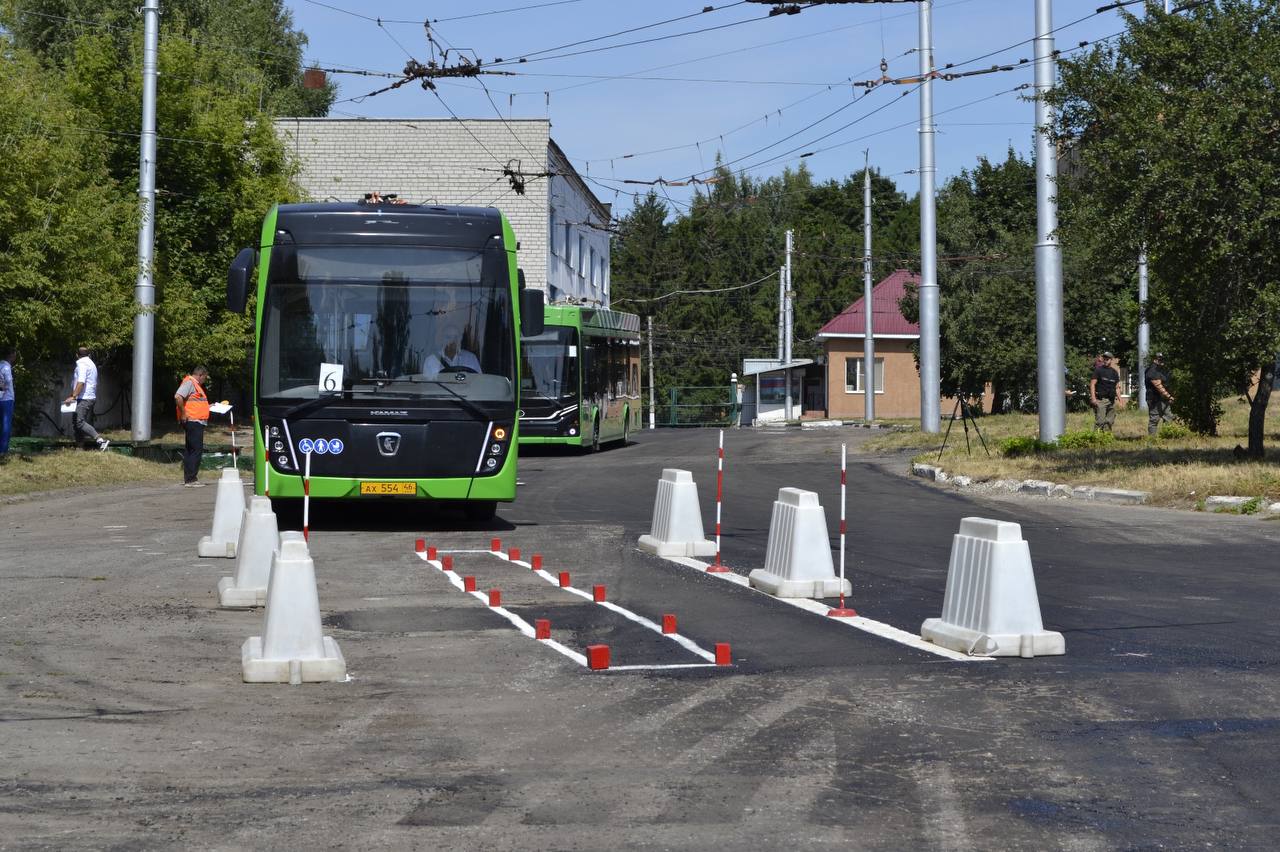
[965,417]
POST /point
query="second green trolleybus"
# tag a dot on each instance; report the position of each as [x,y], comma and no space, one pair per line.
[580,378]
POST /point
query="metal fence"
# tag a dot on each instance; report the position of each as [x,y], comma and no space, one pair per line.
[696,406]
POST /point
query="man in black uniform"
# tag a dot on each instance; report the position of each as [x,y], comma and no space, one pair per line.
[1158,396]
[1102,393]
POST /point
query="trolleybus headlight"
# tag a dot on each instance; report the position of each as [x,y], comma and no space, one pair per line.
[500,434]
[275,431]
[278,446]
[490,463]
[283,461]
[496,449]
[573,430]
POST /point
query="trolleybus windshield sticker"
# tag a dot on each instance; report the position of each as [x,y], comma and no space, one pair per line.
[330,378]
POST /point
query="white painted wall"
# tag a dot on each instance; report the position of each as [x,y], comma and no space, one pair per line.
[437,161]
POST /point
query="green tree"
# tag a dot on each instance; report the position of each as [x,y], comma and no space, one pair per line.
[258,36]
[1175,132]
[66,228]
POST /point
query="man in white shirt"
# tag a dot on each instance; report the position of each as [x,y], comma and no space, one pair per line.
[451,357]
[83,395]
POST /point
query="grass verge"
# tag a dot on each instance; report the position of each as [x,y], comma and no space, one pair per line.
[1178,471]
[24,474]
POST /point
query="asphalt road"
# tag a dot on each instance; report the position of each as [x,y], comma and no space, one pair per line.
[123,721]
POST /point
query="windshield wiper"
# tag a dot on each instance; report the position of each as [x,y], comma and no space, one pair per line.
[308,405]
[466,403]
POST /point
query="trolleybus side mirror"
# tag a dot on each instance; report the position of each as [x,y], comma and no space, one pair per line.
[238,280]
[531,304]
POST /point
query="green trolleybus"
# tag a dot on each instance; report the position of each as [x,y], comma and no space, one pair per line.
[387,341]
[580,380]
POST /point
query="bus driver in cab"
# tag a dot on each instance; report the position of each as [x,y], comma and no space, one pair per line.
[450,356]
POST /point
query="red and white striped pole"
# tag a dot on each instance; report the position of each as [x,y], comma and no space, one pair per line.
[231,412]
[841,611]
[306,501]
[718,567]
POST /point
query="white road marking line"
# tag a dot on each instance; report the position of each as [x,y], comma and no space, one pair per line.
[867,625]
[683,641]
[116,527]
[525,628]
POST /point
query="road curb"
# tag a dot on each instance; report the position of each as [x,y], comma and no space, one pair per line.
[1037,488]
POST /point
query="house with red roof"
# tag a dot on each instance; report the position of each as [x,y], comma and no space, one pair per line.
[896,379]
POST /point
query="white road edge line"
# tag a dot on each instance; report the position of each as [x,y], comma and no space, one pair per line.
[867,625]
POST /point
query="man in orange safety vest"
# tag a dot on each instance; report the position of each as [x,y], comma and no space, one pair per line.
[193,414]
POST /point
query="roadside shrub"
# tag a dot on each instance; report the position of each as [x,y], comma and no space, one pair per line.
[1172,431]
[1085,439]
[1021,445]
[1251,506]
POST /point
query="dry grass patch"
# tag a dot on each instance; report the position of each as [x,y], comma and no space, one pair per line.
[23,474]
[1178,472]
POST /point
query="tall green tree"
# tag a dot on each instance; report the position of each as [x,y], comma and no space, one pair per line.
[1175,131]
[255,34]
[66,227]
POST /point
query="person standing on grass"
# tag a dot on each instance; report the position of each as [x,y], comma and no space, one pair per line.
[7,356]
[1102,393]
[83,395]
[193,414]
[1158,396]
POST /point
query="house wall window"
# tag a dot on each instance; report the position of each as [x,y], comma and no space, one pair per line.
[591,266]
[853,375]
[568,244]
[551,234]
[582,253]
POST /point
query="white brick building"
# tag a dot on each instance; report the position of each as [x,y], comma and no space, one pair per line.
[560,224]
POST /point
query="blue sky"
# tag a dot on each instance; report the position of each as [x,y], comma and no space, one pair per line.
[737,89]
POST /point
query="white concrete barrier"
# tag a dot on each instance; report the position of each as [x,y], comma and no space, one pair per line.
[677,518]
[227,512]
[990,606]
[797,563]
[259,539]
[292,648]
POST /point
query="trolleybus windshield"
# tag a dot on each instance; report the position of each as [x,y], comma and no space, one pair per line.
[550,364]
[404,322]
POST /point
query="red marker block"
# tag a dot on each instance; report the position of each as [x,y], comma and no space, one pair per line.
[495,597]
[514,553]
[597,593]
[446,563]
[536,562]
[668,623]
[495,545]
[724,657]
[564,579]
[468,584]
[431,553]
[419,546]
[597,657]
[542,628]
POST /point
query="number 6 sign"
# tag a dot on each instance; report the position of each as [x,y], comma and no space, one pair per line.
[330,378]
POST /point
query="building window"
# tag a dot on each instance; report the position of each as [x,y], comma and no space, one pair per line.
[568,244]
[551,234]
[591,266]
[853,375]
[582,253]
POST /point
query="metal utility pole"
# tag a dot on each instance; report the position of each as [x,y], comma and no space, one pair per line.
[782,302]
[1144,331]
[145,290]
[786,341]
[652,420]
[930,371]
[1051,374]
[868,341]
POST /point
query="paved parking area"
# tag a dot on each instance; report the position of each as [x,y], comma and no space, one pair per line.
[123,721]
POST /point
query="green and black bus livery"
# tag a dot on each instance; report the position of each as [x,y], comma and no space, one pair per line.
[386,349]
[580,378]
